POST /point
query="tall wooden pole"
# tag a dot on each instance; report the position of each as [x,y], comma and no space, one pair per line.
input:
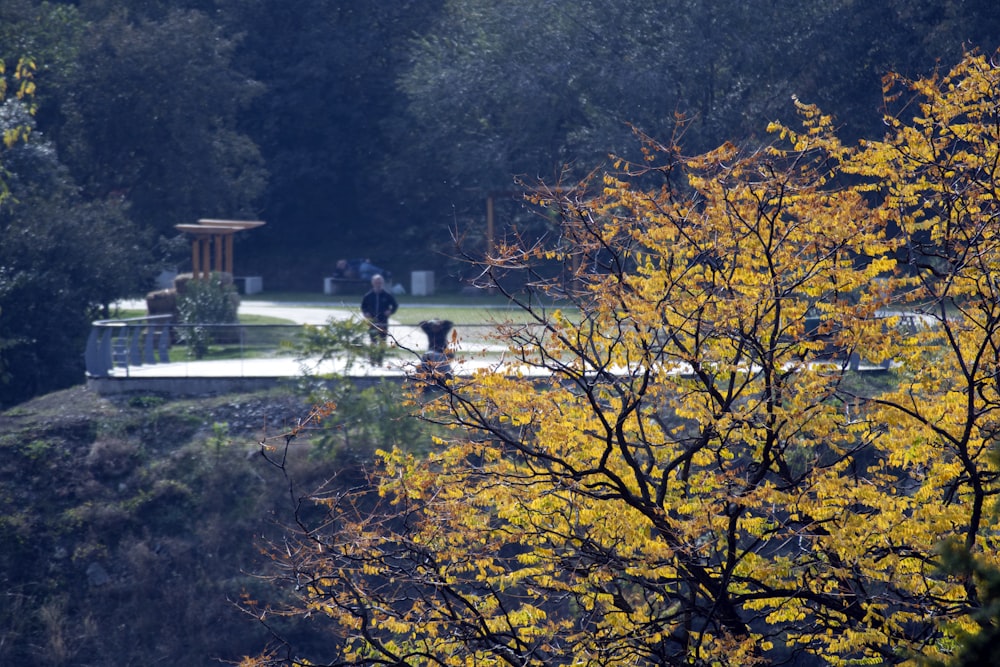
[489,226]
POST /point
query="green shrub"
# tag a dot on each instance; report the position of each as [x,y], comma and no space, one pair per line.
[212,301]
[338,338]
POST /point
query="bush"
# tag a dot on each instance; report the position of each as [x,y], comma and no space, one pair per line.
[212,301]
[344,339]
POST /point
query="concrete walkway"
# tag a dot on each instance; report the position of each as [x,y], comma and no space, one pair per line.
[200,376]
[299,313]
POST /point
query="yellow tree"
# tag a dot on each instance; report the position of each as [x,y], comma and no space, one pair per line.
[706,458]
[936,175]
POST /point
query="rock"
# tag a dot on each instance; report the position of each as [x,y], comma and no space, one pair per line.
[162,302]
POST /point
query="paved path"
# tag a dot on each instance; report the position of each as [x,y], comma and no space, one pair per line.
[411,341]
[300,313]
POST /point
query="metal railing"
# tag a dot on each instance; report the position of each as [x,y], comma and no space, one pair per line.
[137,346]
[116,346]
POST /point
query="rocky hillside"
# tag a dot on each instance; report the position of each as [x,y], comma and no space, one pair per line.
[130,526]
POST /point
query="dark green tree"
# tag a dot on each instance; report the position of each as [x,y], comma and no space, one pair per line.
[382,126]
[49,35]
[983,647]
[544,89]
[62,262]
[328,125]
[151,120]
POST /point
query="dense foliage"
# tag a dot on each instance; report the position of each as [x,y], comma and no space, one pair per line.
[132,526]
[128,526]
[696,471]
[60,263]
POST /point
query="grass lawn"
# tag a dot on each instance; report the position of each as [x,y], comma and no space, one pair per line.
[460,309]
[263,319]
[475,313]
[467,315]
[244,318]
[483,299]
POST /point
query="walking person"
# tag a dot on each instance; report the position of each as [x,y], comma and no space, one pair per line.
[377,306]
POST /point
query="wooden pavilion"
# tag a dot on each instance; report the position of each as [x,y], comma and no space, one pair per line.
[212,244]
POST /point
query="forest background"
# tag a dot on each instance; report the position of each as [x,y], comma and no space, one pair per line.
[378,129]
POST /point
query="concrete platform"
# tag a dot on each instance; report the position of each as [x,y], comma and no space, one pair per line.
[200,377]
[196,378]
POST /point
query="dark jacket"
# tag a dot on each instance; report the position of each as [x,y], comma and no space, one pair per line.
[437,334]
[378,306]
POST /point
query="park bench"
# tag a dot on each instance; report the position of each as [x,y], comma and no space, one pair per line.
[345,285]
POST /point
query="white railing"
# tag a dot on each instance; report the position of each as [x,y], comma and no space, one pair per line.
[115,347]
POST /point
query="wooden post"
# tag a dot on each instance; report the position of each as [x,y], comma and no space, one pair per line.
[195,255]
[228,239]
[217,242]
[489,225]
[206,256]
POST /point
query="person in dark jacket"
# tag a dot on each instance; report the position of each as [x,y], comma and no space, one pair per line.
[435,364]
[437,334]
[377,306]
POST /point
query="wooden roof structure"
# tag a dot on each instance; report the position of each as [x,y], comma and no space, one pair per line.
[213,239]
